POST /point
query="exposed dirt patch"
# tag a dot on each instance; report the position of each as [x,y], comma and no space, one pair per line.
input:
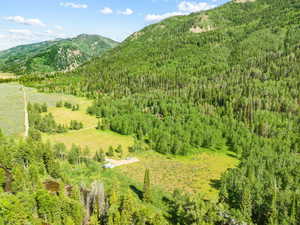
[136,35]
[111,163]
[203,17]
[196,29]
[243,1]
[76,52]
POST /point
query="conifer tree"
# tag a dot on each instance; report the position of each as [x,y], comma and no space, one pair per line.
[146,190]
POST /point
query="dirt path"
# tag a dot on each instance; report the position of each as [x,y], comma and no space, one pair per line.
[26,120]
[111,163]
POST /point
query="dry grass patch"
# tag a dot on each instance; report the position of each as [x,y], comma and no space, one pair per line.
[196,29]
[11,109]
[64,116]
[7,76]
[91,138]
[193,174]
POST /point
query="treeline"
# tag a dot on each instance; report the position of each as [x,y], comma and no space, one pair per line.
[68,105]
[162,124]
[46,123]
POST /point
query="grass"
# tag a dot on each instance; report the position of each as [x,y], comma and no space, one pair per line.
[198,173]
[92,138]
[11,109]
[7,75]
[64,116]
[88,136]
[51,99]
[12,105]
[194,174]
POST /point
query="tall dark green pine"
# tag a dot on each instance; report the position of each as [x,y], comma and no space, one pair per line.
[146,191]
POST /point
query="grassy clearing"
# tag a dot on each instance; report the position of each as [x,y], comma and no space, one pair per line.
[88,136]
[199,173]
[51,99]
[92,138]
[11,109]
[7,75]
[64,116]
[12,105]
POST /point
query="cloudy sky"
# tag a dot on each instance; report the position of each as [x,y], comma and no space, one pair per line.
[28,21]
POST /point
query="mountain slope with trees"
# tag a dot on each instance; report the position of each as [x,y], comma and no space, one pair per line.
[224,78]
[57,55]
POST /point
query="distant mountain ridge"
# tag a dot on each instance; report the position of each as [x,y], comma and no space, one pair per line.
[56,55]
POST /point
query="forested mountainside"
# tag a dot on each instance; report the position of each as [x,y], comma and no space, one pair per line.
[57,55]
[223,78]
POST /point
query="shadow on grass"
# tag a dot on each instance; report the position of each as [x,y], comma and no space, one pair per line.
[138,192]
[215,183]
[231,155]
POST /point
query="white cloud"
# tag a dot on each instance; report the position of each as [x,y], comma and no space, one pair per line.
[15,37]
[49,31]
[184,8]
[73,5]
[57,27]
[20,31]
[190,7]
[158,17]
[126,12]
[106,11]
[22,20]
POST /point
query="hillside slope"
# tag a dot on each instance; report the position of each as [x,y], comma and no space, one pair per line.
[57,55]
[227,78]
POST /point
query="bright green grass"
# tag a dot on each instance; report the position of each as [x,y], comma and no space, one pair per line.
[194,174]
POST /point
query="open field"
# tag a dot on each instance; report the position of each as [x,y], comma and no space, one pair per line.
[88,136]
[12,105]
[7,75]
[64,116]
[199,173]
[92,138]
[11,109]
[12,118]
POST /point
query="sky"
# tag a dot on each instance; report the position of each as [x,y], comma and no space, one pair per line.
[30,21]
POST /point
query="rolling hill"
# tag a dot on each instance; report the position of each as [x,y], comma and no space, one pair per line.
[57,55]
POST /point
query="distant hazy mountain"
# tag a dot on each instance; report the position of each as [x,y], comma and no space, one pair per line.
[57,55]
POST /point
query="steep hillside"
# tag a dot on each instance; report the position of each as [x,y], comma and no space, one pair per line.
[201,45]
[227,78]
[57,55]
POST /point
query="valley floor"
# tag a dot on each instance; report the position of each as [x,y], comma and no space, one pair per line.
[197,173]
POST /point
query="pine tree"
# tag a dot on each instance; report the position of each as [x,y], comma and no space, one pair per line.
[99,156]
[111,152]
[99,125]
[146,190]
[246,203]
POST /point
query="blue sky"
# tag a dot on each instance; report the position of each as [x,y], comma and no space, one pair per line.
[28,21]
